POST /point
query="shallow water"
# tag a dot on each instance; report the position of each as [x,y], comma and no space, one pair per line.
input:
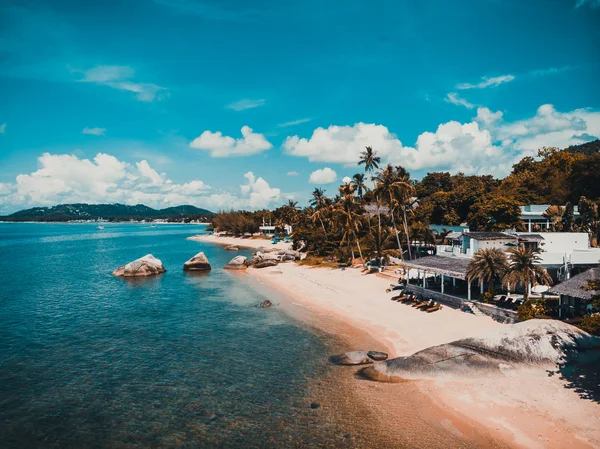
[177,360]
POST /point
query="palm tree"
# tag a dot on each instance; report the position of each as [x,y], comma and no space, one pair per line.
[292,204]
[318,202]
[358,181]
[396,192]
[523,269]
[487,265]
[349,217]
[370,159]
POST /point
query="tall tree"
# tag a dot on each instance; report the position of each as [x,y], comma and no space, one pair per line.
[488,265]
[524,269]
[358,181]
[370,159]
[349,215]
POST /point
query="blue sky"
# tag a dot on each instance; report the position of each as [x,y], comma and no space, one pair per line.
[245,104]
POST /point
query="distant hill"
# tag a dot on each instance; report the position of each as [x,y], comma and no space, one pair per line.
[111,212]
[588,148]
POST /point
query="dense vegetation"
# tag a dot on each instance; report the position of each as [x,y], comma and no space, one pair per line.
[383,212]
[111,212]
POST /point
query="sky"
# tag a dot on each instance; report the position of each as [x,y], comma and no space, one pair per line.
[235,104]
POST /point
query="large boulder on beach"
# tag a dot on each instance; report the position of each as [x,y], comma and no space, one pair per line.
[543,343]
[237,263]
[377,356]
[197,263]
[352,358]
[265,263]
[144,266]
[231,248]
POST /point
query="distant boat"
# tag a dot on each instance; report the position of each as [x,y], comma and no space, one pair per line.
[100,228]
[152,225]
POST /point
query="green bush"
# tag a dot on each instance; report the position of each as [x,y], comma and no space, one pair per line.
[591,324]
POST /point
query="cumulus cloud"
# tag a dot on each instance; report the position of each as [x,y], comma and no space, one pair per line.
[323,176]
[487,82]
[486,144]
[225,146]
[3,128]
[294,122]
[64,178]
[454,98]
[343,144]
[93,131]
[246,104]
[121,78]
[346,179]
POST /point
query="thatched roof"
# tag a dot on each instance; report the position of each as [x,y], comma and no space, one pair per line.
[448,265]
[576,287]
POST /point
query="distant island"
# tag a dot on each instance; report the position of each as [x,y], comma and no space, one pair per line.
[110,212]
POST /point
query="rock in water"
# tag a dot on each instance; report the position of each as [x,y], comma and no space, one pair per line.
[265,303]
[231,248]
[237,263]
[352,358]
[543,343]
[144,266]
[377,356]
[197,263]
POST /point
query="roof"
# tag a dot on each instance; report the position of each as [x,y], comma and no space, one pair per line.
[576,287]
[490,236]
[530,237]
[451,266]
[453,235]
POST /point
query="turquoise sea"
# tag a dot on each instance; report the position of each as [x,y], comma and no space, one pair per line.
[88,360]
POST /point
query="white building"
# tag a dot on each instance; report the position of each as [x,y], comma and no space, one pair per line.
[533,214]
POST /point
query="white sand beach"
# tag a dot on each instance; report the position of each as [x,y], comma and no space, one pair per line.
[251,243]
[520,409]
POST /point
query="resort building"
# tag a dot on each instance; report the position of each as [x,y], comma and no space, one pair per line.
[533,216]
[575,295]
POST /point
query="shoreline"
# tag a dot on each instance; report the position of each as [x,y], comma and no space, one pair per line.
[526,409]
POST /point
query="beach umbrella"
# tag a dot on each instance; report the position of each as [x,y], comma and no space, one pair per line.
[540,288]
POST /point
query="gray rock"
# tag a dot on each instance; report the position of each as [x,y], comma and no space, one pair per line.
[377,356]
[237,263]
[352,358]
[144,266]
[231,248]
[197,263]
[265,264]
[265,303]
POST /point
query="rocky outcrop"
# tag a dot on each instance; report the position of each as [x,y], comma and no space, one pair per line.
[377,356]
[237,263]
[265,303]
[144,266]
[197,263]
[231,248]
[352,358]
[544,343]
[265,263]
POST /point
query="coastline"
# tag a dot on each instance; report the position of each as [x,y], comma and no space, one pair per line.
[524,409]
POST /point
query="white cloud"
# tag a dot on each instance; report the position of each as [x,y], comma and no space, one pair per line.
[487,144]
[453,98]
[93,131]
[487,82]
[343,144]
[64,178]
[225,146]
[3,128]
[294,122]
[120,77]
[292,173]
[246,104]
[346,179]
[323,176]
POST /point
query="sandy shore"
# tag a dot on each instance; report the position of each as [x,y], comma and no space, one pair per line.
[251,243]
[521,409]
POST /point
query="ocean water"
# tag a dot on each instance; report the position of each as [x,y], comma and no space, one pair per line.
[179,360]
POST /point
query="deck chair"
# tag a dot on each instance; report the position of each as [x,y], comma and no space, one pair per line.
[429,303]
[419,302]
[408,298]
[436,307]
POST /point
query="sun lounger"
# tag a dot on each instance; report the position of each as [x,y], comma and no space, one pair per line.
[419,303]
[408,298]
[428,304]
[438,306]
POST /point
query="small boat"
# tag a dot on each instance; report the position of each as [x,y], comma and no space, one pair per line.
[100,228]
[152,225]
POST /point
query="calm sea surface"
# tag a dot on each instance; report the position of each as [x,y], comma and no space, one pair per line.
[177,360]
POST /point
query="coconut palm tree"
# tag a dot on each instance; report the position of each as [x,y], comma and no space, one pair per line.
[358,181]
[487,265]
[396,192]
[370,159]
[523,269]
[348,214]
[318,203]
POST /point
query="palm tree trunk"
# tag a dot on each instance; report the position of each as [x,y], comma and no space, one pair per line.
[397,237]
[322,225]
[358,244]
[406,232]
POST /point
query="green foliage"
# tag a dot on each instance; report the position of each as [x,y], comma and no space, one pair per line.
[488,265]
[591,324]
[531,309]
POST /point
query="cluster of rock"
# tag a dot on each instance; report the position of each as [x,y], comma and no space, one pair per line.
[231,248]
[197,263]
[270,257]
[545,343]
[144,266]
[359,357]
[237,263]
